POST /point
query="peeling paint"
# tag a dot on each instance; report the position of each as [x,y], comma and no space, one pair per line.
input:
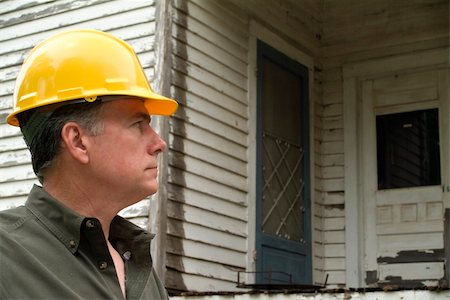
[413,256]
[447,246]
[334,206]
[50,10]
[176,266]
[371,277]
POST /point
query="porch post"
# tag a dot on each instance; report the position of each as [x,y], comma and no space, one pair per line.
[162,83]
[352,207]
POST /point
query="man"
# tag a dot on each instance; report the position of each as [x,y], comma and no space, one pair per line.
[83,104]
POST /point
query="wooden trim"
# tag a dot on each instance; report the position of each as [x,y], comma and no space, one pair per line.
[368,181]
[252,117]
[259,31]
[352,206]
[376,67]
[447,247]
[444,96]
[162,83]
[275,41]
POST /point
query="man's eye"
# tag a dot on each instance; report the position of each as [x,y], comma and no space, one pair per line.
[141,124]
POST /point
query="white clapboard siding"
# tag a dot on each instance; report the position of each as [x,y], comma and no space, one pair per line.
[213,203]
[207,219]
[202,233]
[201,251]
[183,280]
[24,24]
[197,267]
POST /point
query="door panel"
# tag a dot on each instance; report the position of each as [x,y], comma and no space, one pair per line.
[283,238]
[404,227]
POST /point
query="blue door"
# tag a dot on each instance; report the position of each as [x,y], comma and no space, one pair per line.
[283,237]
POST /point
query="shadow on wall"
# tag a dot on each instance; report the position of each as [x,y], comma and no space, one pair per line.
[177,183]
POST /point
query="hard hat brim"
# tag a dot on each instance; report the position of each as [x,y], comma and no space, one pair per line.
[160,105]
[155,104]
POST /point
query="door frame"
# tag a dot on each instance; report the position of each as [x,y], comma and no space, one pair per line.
[354,74]
[257,32]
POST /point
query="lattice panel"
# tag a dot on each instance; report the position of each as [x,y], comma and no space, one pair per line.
[283,189]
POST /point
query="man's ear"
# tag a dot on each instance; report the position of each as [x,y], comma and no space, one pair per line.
[73,138]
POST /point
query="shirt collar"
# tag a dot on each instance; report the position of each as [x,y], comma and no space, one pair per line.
[63,222]
[66,224]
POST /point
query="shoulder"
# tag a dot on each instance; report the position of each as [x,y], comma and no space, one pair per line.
[12,219]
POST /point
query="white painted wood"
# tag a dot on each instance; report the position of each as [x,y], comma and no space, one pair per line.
[16,173]
[139,209]
[390,245]
[444,117]
[206,219]
[11,158]
[205,269]
[198,88]
[250,265]
[16,188]
[207,186]
[376,67]
[432,271]
[208,170]
[207,235]
[435,53]
[12,202]
[401,214]
[212,156]
[410,195]
[335,237]
[231,72]
[217,111]
[206,138]
[125,13]
[205,252]
[202,283]
[369,167]
[333,224]
[12,143]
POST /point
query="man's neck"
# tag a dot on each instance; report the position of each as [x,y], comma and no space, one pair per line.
[83,199]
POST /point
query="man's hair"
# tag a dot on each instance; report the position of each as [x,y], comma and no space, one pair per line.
[45,143]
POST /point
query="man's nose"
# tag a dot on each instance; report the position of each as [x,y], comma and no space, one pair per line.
[156,143]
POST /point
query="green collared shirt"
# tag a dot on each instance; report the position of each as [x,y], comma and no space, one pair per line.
[48,251]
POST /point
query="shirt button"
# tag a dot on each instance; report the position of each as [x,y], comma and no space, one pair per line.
[90,224]
[127,255]
[102,265]
[72,244]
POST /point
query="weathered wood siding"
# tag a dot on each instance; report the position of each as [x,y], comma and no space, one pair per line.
[24,23]
[206,243]
[208,228]
[357,31]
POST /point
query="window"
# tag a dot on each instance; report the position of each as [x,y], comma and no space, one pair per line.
[408,149]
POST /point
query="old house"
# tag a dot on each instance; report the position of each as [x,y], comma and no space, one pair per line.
[312,143]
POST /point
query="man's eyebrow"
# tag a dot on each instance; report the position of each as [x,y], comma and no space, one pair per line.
[142,115]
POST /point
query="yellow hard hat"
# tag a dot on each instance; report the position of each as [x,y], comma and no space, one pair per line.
[83,64]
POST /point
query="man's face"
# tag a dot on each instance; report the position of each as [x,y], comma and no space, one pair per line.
[123,157]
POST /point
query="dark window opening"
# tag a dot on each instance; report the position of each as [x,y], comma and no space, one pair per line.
[408,149]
